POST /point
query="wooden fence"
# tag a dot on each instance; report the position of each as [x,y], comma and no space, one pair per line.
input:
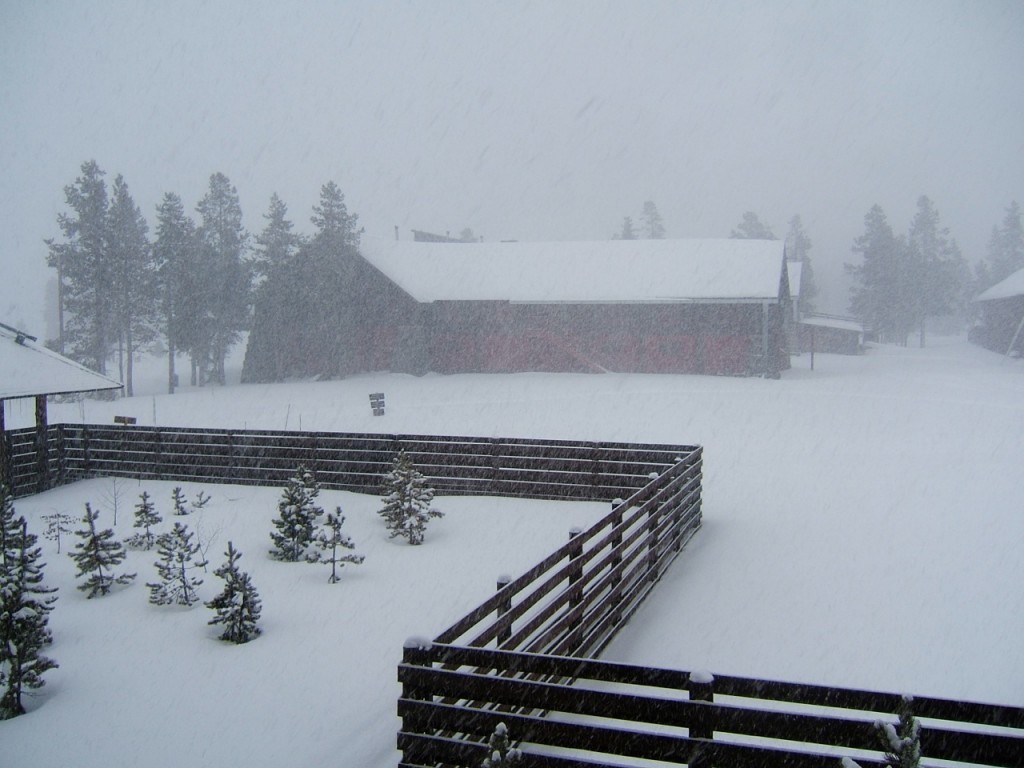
[574,713]
[546,469]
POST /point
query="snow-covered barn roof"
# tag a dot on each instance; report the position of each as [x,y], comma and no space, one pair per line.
[597,272]
[27,368]
[1005,289]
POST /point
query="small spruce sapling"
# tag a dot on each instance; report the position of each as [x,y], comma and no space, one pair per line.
[146,517]
[97,554]
[407,501]
[200,501]
[500,750]
[176,584]
[57,524]
[902,742]
[178,499]
[25,604]
[238,605]
[330,539]
[296,522]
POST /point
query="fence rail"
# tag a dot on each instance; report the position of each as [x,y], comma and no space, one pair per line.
[617,712]
[546,469]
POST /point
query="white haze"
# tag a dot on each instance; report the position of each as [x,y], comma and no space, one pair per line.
[535,121]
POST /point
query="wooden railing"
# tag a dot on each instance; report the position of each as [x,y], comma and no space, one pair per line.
[567,711]
[547,469]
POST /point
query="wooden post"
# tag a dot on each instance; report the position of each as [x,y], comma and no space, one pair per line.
[5,472]
[42,466]
[702,689]
[504,606]
[415,652]
[616,581]
[575,552]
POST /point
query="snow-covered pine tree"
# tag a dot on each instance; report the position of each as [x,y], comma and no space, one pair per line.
[902,742]
[178,499]
[177,553]
[238,605]
[146,517]
[57,524]
[330,539]
[407,501]
[500,751]
[97,554]
[25,604]
[297,518]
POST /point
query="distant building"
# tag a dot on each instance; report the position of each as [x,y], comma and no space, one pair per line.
[1000,326]
[652,306]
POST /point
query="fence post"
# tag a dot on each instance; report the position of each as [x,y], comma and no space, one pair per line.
[702,689]
[62,457]
[575,552]
[504,606]
[416,651]
[654,516]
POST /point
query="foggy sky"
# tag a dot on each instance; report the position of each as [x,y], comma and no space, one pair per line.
[533,121]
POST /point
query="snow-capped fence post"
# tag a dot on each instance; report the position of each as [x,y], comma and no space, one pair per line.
[417,652]
[702,689]
[504,606]
[575,553]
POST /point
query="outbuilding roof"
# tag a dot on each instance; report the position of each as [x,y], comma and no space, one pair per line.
[27,368]
[597,272]
[1005,289]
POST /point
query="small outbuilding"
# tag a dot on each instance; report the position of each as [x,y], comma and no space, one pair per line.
[30,370]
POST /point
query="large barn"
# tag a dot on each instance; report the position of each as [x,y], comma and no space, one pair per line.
[651,306]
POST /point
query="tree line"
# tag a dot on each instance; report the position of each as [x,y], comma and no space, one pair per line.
[901,281]
[194,284]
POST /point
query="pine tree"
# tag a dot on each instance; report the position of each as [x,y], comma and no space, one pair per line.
[407,501]
[628,231]
[901,743]
[798,246]
[1005,250]
[752,228]
[57,524]
[883,281]
[98,554]
[500,750]
[134,287]
[83,271]
[939,275]
[146,517]
[653,228]
[238,605]
[276,244]
[25,604]
[330,539]
[175,255]
[177,553]
[297,517]
[224,294]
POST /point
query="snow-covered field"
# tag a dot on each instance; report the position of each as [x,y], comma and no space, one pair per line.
[863,527]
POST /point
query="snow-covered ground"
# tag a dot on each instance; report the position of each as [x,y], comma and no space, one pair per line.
[863,527]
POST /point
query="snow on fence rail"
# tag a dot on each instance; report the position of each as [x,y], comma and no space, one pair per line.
[568,711]
[546,469]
